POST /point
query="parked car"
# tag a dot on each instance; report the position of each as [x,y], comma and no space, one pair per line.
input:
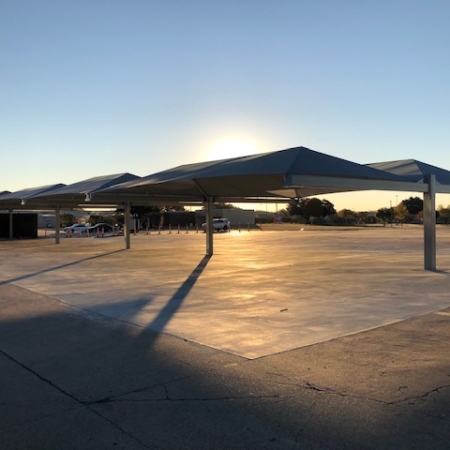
[107,228]
[77,228]
[219,225]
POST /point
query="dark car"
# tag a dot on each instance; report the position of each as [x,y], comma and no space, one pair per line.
[107,228]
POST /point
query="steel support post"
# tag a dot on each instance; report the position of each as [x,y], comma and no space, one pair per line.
[429,223]
[126,225]
[57,224]
[209,226]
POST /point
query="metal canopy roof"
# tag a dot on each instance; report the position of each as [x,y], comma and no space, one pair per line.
[92,185]
[30,192]
[19,199]
[280,175]
[71,195]
[416,171]
[275,176]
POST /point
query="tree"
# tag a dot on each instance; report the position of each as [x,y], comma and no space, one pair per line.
[413,204]
[310,207]
[67,220]
[401,212]
[328,208]
[347,215]
[99,218]
[384,214]
[169,208]
[444,214]
[365,217]
[314,207]
[295,207]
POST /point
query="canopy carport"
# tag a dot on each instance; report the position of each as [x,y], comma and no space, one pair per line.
[278,176]
[60,196]
[18,200]
[437,180]
[269,177]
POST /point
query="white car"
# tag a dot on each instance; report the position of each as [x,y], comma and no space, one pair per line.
[77,228]
[219,225]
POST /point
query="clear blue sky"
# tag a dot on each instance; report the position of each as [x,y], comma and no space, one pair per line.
[93,87]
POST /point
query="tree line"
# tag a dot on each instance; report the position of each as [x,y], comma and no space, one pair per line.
[410,209]
[304,210]
[314,210]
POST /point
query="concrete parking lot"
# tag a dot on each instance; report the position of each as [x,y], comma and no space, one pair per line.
[261,293]
[321,338]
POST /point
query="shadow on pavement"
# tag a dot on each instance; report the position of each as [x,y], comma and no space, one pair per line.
[177,299]
[128,309]
[74,379]
[61,266]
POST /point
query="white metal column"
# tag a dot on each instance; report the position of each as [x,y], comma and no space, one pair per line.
[429,223]
[209,226]
[126,225]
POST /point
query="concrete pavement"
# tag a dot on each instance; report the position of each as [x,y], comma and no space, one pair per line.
[262,346]
[261,292]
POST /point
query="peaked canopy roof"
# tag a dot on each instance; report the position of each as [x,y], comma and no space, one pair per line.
[413,169]
[276,176]
[19,198]
[82,191]
[71,195]
[92,185]
[284,174]
[30,192]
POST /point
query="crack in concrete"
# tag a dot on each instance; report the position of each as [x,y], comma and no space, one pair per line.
[201,399]
[426,394]
[167,397]
[79,402]
[423,396]
[310,386]
[113,398]
[362,397]
[313,387]
[45,380]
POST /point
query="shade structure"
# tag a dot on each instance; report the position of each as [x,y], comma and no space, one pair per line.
[436,180]
[76,194]
[416,171]
[276,176]
[20,199]
[281,175]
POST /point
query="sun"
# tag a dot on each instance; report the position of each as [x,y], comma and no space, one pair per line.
[230,148]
